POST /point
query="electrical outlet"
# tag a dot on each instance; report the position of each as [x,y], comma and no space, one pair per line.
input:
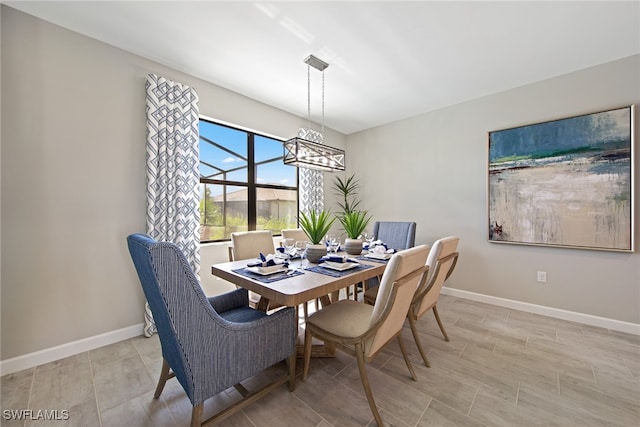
[542,276]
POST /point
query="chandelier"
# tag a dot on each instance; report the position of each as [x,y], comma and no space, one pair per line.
[307,149]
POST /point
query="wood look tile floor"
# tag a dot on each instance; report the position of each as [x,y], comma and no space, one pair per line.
[501,368]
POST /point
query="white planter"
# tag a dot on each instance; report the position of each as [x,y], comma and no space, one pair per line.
[315,252]
[353,246]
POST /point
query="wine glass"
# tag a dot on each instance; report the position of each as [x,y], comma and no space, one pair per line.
[289,247]
[300,248]
[369,238]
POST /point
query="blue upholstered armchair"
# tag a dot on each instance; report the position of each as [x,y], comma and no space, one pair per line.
[209,344]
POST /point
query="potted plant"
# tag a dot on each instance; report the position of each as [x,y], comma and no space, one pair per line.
[316,226]
[347,190]
[354,224]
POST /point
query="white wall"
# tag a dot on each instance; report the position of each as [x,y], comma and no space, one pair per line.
[432,169]
[74,183]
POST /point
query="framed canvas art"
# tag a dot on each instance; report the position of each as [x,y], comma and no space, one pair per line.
[564,183]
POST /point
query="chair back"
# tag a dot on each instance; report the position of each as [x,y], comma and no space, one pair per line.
[441,261]
[396,234]
[177,302]
[249,244]
[297,234]
[397,288]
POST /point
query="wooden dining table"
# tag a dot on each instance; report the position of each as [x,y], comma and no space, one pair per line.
[302,286]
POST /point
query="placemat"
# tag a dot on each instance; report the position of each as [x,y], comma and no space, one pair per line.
[269,278]
[337,273]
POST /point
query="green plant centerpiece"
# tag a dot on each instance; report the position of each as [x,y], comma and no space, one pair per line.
[347,189]
[316,225]
[353,220]
[354,224]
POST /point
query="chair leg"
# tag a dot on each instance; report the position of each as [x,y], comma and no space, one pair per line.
[196,415]
[291,363]
[305,308]
[164,376]
[307,353]
[435,312]
[406,358]
[365,384]
[414,332]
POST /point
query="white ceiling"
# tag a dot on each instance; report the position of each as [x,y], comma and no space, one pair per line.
[388,60]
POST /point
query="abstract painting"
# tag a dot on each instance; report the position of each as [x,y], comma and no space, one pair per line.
[564,183]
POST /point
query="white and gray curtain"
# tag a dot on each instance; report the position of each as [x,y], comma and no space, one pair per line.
[311,185]
[172,170]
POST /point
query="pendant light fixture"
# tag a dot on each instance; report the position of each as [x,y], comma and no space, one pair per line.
[307,149]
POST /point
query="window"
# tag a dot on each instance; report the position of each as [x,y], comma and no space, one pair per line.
[244,185]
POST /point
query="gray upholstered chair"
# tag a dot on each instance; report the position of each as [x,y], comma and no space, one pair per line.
[363,330]
[441,261]
[396,234]
[209,344]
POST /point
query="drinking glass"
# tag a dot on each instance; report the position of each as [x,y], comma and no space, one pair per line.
[369,237]
[289,247]
[300,248]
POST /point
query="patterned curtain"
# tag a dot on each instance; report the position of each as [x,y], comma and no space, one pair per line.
[311,186]
[172,170]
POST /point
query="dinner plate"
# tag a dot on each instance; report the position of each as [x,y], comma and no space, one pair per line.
[378,256]
[340,266]
[265,271]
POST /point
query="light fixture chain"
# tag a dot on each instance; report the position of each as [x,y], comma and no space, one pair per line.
[322,124]
[308,97]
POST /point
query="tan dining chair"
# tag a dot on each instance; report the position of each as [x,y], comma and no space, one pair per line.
[363,330]
[248,245]
[297,234]
[442,260]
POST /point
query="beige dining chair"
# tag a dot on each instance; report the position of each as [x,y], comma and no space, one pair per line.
[363,330]
[298,235]
[442,260]
[249,245]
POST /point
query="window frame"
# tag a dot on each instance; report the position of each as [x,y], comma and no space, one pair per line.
[251,185]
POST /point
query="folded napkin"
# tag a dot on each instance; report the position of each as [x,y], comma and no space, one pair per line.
[380,244]
[336,258]
[268,261]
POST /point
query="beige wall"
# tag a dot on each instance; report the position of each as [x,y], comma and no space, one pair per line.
[439,162]
[73,185]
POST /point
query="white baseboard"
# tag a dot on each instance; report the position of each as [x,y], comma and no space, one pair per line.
[47,355]
[587,319]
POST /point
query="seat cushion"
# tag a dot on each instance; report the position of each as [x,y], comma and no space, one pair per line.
[242,315]
[345,318]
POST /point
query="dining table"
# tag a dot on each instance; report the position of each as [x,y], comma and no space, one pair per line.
[300,282]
